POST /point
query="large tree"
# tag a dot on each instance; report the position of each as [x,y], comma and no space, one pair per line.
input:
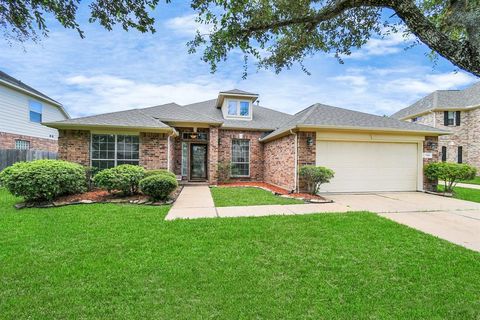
[277,33]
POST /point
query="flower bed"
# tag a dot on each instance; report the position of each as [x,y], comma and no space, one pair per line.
[276,190]
[100,196]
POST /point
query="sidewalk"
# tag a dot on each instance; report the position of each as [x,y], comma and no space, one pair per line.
[197,202]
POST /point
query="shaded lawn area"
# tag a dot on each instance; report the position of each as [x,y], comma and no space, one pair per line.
[125,262]
[474,181]
[464,193]
[247,196]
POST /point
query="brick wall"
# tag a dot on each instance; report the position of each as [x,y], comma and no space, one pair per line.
[213,156]
[74,146]
[7,141]
[306,153]
[279,162]
[153,150]
[256,151]
[430,185]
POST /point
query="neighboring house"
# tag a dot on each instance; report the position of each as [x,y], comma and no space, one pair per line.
[198,141]
[22,111]
[457,111]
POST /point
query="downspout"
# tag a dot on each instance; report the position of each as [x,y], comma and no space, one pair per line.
[295,174]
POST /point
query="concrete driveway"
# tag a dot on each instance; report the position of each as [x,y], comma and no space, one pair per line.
[454,220]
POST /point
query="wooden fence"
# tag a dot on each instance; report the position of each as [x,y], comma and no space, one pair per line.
[10,156]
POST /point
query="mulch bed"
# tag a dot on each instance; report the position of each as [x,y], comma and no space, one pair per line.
[276,190]
[100,196]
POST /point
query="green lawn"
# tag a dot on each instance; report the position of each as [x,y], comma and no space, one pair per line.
[125,262]
[464,193]
[474,181]
[247,196]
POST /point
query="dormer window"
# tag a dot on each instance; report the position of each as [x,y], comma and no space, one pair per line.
[238,108]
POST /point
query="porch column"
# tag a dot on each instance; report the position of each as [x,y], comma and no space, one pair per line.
[213,156]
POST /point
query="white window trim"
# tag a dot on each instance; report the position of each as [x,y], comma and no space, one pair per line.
[30,110]
[238,116]
[454,123]
[249,160]
[115,160]
[22,142]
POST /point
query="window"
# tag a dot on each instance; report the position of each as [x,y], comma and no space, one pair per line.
[232,108]
[460,155]
[238,108]
[444,154]
[109,150]
[240,158]
[184,159]
[451,118]
[35,111]
[22,144]
[194,136]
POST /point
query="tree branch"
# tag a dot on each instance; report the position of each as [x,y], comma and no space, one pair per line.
[461,53]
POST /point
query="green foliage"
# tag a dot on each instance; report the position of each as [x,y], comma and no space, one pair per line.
[224,171]
[43,180]
[450,173]
[315,177]
[158,186]
[125,178]
[150,173]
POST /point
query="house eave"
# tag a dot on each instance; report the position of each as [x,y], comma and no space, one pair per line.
[467,108]
[71,126]
[354,129]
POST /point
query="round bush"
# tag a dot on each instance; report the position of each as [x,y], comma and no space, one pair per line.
[450,173]
[125,178]
[44,180]
[159,186]
[150,173]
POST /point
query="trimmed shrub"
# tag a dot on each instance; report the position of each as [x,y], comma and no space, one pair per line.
[449,172]
[159,186]
[315,177]
[124,178]
[44,180]
[150,173]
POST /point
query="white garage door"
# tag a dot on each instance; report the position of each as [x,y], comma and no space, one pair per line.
[369,166]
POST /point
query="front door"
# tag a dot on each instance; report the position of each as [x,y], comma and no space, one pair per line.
[198,161]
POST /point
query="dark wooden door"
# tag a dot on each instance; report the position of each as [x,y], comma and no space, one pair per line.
[198,161]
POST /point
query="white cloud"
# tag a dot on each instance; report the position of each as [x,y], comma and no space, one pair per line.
[98,94]
[391,43]
[187,25]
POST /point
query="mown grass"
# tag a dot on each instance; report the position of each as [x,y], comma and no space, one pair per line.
[473,181]
[464,193]
[247,196]
[125,262]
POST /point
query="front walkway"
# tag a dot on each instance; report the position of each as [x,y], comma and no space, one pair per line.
[197,202]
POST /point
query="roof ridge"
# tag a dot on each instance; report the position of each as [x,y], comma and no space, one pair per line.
[102,114]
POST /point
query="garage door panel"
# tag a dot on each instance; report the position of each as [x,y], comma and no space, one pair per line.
[369,166]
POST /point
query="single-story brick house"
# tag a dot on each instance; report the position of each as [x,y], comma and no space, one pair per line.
[205,141]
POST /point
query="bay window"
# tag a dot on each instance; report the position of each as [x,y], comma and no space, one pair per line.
[110,150]
[240,158]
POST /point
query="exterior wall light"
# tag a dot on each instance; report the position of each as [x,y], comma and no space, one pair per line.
[309,141]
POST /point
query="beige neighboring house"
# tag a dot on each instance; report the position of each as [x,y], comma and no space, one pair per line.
[23,109]
[457,111]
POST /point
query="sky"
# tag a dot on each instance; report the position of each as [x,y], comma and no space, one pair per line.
[117,70]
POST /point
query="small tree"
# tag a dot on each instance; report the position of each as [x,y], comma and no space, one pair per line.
[315,177]
[450,173]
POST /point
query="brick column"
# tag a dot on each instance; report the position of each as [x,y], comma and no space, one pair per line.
[153,150]
[430,185]
[213,156]
[74,146]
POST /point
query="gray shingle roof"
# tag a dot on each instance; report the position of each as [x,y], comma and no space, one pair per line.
[320,115]
[122,119]
[7,78]
[443,99]
[263,118]
[238,91]
[176,113]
